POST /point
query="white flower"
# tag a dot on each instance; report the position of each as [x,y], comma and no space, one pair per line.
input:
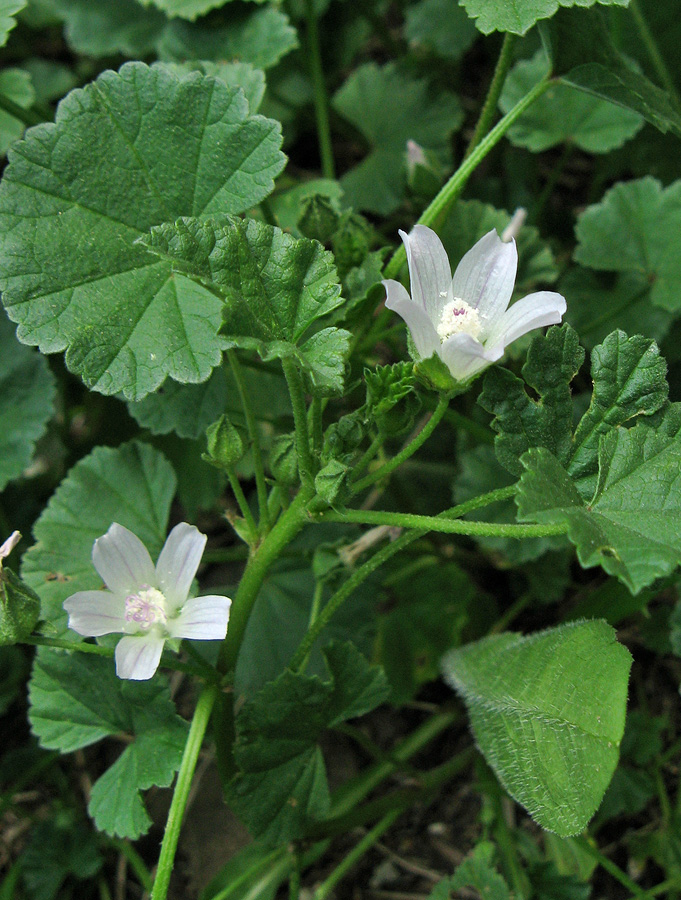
[465,320]
[147,604]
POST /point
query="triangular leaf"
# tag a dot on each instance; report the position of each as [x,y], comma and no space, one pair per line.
[548,714]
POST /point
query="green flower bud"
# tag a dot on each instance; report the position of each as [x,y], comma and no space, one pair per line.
[225,447]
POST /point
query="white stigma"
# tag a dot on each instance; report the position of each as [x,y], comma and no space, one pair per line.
[457,317]
[146,608]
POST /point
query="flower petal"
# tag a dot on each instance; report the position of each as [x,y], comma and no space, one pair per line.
[122,560]
[178,562]
[422,330]
[430,274]
[93,613]
[202,618]
[485,277]
[464,356]
[137,657]
[534,311]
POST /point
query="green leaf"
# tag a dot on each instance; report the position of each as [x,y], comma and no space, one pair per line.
[58,849]
[632,527]
[518,16]
[261,37]
[469,220]
[186,409]
[547,712]
[585,56]
[76,700]
[107,27]
[234,74]
[85,504]
[73,276]
[27,391]
[282,785]
[187,9]
[440,25]
[8,10]
[635,229]
[564,114]
[15,84]
[274,287]
[522,422]
[476,871]
[629,379]
[389,109]
[600,302]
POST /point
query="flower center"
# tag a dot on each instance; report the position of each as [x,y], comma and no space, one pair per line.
[146,608]
[458,316]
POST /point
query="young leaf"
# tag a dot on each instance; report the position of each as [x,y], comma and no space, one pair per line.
[476,871]
[274,287]
[26,402]
[629,378]
[282,785]
[564,114]
[547,712]
[518,16]
[77,700]
[73,276]
[83,507]
[636,228]
[389,109]
[521,422]
[59,849]
[632,527]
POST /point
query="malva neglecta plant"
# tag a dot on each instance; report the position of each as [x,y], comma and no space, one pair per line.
[347,523]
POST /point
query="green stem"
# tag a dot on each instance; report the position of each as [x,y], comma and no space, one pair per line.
[444,525]
[27,116]
[368,454]
[254,436]
[295,386]
[181,793]
[610,867]
[383,555]
[653,50]
[316,429]
[240,497]
[321,103]
[283,532]
[357,852]
[136,862]
[489,108]
[665,887]
[452,189]
[409,450]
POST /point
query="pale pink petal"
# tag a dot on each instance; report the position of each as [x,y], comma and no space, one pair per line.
[534,311]
[430,274]
[465,356]
[178,562]
[93,613]
[137,657]
[10,544]
[123,561]
[422,330]
[203,619]
[485,277]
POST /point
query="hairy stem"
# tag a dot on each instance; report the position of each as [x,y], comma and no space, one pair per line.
[297,392]
[254,437]
[321,101]
[181,793]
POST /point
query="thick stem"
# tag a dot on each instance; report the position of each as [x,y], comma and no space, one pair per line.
[181,793]
[254,436]
[297,392]
[452,189]
[406,452]
[321,101]
[489,108]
